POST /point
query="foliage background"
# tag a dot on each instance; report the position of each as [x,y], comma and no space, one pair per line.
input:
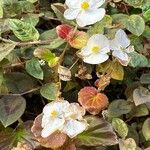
[26,85]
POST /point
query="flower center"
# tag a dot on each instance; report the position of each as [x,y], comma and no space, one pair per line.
[85,5]
[95,49]
[54,113]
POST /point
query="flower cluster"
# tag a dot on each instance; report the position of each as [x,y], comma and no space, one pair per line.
[98,46]
[64,117]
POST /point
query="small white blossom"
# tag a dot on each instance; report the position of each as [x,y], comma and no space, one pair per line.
[64,117]
[86,12]
[95,52]
[120,46]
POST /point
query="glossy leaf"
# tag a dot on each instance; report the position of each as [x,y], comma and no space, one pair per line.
[50,91]
[23,30]
[34,69]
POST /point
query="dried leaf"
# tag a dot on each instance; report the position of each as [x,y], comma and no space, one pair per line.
[64,73]
[141,95]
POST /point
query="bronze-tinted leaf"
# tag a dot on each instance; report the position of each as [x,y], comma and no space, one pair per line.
[100,132]
[91,100]
[53,141]
[11,109]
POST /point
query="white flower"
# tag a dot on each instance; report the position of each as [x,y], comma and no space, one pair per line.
[64,117]
[121,46]
[95,52]
[86,12]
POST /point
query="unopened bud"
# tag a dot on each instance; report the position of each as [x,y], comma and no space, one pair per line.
[63,30]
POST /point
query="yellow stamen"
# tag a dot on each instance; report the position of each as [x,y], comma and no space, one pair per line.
[85,5]
[95,49]
[53,113]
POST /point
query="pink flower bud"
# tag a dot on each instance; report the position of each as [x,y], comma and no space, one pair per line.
[63,30]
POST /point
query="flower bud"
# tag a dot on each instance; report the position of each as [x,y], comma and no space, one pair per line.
[63,30]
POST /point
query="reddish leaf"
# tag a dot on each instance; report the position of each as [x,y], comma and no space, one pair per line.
[91,100]
[53,141]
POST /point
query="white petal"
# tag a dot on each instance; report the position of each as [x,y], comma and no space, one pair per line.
[52,126]
[98,39]
[72,127]
[89,17]
[71,14]
[73,3]
[114,45]
[95,58]
[96,3]
[85,51]
[122,57]
[58,106]
[122,38]
[75,111]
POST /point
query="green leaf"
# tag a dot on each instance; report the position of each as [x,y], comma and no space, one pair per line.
[147,14]
[135,3]
[146,129]
[5,49]
[141,110]
[1,11]
[135,24]
[23,31]
[128,144]
[49,34]
[55,43]
[34,69]
[137,60]
[19,82]
[146,32]
[120,19]
[100,132]
[32,1]
[98,28]
[120,127]
[50,91]
[145,78]
[46,55]
[11,109]
[119,107]
[1,77]
[26,6]
[32,19]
